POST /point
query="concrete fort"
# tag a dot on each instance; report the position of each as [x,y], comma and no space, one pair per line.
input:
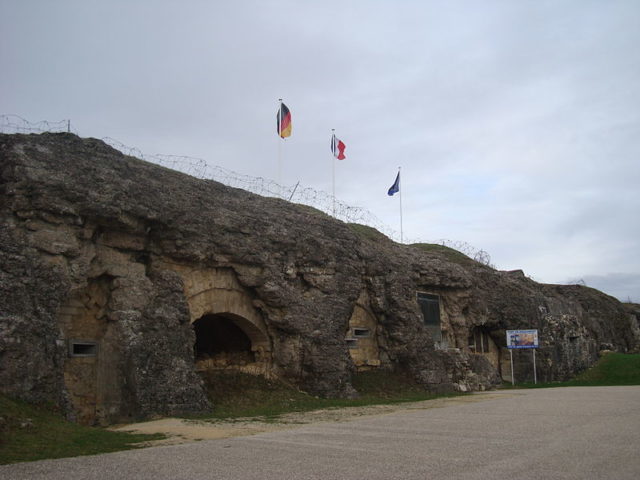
[122,282]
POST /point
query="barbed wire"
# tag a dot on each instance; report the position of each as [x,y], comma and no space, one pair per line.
[16,124]
[265,187]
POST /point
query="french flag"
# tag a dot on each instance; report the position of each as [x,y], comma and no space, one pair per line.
[337,147]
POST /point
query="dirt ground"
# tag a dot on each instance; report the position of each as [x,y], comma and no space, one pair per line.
[180,430]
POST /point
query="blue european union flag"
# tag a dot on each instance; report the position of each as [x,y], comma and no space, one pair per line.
[395,188]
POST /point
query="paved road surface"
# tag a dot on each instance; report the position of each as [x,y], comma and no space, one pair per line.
[561,433]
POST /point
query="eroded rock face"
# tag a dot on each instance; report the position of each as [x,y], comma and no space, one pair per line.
[108,262]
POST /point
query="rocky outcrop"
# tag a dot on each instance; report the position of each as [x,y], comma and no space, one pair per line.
[113,269]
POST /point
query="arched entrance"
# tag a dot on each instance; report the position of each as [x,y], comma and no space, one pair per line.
[221,342]
[230,331]
[226,341]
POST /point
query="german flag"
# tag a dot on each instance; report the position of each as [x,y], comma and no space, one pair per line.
[284,121]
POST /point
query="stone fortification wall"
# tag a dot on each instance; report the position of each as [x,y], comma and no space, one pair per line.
[120,280]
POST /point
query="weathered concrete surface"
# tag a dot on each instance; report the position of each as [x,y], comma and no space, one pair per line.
[563,433]
[100,247]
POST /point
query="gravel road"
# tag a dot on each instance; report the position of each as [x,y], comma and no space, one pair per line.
[559,433]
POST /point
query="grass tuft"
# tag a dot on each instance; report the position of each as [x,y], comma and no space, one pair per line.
[450,254]
[368,233]
[236,394]
[29,433]
[612,369]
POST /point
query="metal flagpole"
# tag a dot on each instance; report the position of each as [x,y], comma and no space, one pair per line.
[400,188]
[333,168]
[280,145]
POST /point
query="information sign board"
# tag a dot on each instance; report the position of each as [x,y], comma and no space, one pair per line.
[522,338]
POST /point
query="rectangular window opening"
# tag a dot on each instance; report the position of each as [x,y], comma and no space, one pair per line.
[352,342]
[79,348]
[361,332]
[430,306]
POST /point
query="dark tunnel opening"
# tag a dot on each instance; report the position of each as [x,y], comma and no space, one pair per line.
[219,337]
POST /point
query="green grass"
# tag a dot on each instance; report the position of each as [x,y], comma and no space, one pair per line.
[30,433]
[611,370]
[450,254]
[368,233]
[236,395]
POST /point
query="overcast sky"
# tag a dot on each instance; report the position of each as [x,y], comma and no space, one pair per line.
[516,123]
